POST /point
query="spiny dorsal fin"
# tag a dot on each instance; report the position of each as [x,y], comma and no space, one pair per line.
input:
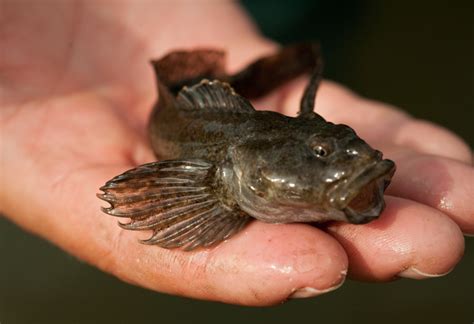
[213,95]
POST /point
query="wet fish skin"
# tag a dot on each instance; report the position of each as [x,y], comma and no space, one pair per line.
[223,162]
[281,179]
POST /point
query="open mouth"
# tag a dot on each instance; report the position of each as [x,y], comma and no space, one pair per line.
[368,204]
[363,196]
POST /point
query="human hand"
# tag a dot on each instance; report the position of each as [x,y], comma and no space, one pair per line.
[77,89]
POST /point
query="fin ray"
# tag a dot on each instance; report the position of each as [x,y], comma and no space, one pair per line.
[160,220]
[178,229]
[213,96]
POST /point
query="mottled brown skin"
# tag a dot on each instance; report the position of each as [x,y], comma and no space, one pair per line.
[226,162]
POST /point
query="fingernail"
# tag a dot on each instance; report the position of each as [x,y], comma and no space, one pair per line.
[307,292]
[414,273]
[469,234]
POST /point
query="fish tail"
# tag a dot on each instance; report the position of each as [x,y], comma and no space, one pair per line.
[270,72]
[186,68]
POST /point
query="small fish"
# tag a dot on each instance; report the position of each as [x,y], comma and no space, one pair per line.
[222,163]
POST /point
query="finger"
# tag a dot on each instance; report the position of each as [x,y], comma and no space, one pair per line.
[264,264]
[409,240]
[444,184]
[380,123]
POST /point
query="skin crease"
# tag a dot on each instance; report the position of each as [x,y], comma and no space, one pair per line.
[76,92]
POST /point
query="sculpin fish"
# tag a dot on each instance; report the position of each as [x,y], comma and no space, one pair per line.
[222,163]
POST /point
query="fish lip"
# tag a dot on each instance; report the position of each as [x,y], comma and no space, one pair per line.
[373,211]
[380,171]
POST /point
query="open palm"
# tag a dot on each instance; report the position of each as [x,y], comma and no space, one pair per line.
[76,92]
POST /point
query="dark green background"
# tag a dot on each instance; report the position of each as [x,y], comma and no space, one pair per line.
[416,55]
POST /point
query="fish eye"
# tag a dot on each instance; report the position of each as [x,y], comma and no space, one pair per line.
[321,151]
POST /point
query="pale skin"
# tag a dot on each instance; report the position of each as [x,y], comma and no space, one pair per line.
[76,90]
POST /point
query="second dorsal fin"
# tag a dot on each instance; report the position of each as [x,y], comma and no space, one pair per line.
[213,95]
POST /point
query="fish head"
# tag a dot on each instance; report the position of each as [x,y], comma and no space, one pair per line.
[319,174]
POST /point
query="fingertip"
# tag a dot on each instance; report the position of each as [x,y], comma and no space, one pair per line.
[433,139]
[444,184]
[308,292]
[263,265]
[409,239]
[415,273]
[277,262]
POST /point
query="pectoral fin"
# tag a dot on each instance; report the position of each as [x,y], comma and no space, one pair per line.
[176,200]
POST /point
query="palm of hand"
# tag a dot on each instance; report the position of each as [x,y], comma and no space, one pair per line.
[82,121]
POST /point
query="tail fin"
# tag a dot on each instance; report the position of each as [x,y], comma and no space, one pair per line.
[186,68]
[269,72]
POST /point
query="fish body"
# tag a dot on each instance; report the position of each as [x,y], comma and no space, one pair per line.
[223,163]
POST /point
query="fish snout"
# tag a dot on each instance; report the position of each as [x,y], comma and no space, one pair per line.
[361,198]
[368,204]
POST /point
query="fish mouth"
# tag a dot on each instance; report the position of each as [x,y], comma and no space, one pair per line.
[361,198]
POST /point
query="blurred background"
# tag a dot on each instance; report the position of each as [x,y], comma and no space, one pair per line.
[417,55]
